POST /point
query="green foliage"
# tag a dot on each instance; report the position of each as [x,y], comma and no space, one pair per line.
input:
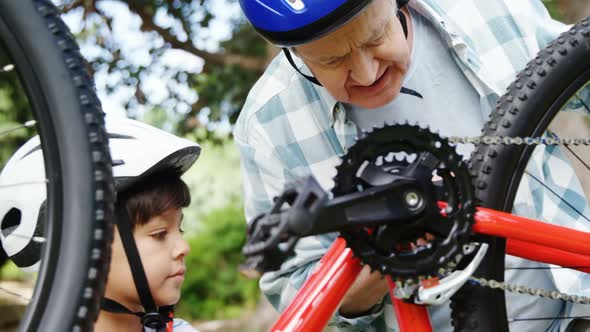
[213,288]
[245,41]
[157,117]
[10,271]
[14,110]
[553,9]
[223,89]
[214,182]
[216,231]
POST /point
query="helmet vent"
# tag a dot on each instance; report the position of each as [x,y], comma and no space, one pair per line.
[296,4]
[10,221]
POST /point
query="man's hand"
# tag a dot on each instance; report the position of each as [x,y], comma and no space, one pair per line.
[367,290]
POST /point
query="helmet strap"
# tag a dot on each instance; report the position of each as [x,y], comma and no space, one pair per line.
[402,19]
[123,221]
[402,3]
[290,59]
[154,320]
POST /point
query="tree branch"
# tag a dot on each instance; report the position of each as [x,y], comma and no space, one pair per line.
[249,63]
[71,6]
[178,15]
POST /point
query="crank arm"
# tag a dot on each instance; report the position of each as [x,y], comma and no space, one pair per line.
[398,202]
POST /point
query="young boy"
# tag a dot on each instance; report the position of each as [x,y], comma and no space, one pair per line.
[148,249]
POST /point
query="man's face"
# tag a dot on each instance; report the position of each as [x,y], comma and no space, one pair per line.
[363,62]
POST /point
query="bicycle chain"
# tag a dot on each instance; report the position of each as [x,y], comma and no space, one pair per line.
[494,284]
[495,140]
[555,295]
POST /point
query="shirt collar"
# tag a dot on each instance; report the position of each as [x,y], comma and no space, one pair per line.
[329,103]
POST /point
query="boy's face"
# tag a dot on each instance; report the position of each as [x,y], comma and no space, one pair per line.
[162,250]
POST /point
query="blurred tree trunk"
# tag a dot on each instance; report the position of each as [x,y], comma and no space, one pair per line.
[573,11]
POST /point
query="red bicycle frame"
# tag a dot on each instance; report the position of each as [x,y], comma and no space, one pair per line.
[321,294]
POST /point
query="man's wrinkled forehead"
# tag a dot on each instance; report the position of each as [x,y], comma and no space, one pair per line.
[366,27]
[373,32]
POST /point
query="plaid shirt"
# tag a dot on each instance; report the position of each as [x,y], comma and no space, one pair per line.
[291,128]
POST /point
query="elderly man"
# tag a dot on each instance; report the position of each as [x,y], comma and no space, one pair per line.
[348,66]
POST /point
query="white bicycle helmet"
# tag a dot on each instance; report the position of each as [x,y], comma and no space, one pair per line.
[137,150]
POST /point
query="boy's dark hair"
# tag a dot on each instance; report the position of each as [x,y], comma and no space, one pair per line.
[153,196]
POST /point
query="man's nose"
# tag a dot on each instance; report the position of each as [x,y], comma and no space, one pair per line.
[364,68]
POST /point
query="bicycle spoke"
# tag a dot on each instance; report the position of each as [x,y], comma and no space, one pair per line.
[583,103]
[22,297]
[587,167]
[16,184]
[7,68]
[38,239]
[577,157]
[546,318]
[27,124]
[556,195]
[546,268]
[587,108]
[578,99]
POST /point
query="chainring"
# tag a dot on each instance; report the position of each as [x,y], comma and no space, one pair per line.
[395,149]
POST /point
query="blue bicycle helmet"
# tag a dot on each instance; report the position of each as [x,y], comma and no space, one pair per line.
[294,22]
[287,23]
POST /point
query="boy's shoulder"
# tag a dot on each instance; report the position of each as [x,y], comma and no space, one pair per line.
[180,325]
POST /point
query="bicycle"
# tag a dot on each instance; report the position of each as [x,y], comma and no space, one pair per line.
[46,88]
[382,204]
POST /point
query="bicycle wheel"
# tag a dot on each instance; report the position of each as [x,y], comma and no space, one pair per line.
[43,75]
[557,79]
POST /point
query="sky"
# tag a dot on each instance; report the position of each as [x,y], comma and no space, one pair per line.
[133,45]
